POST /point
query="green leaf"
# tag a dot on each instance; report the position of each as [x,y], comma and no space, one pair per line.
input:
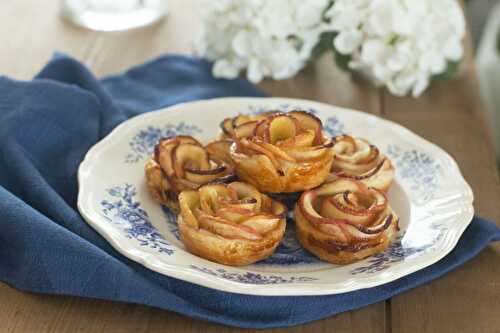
[325,43]
[342,60]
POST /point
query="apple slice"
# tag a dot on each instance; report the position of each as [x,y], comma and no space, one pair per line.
[189,201]
[281,127]
[245,130]
[227,229]
[211,197]
[262,223]
[308,154]
[334,207]
[304,139]
[235,213]
[204,176]
[259,149]
[219,151]
[245,191]
[344,145]
[240,120]
[275,150]
[189,155]
[340,186]
[261,130]
[307,120]
[227,127]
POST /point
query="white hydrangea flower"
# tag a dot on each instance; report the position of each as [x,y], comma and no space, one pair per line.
[265,38]
[401,44]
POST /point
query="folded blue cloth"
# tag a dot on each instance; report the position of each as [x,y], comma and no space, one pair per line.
[46,127]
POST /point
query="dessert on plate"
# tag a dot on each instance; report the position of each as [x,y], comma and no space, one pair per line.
[284,152]
[232,224]
[358,159]
[344,221]
[336,188]
[181,163]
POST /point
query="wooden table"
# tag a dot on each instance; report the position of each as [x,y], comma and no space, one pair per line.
[450,114]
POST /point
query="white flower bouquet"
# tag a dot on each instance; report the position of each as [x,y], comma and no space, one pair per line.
[399,44]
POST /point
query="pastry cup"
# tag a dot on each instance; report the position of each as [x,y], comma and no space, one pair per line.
[180,163]
[285,153]
[232,224]
[358,159]
[344,221]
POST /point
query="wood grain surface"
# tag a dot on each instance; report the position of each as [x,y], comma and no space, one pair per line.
[450,114]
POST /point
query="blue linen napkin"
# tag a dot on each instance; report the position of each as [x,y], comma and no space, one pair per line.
[46,127]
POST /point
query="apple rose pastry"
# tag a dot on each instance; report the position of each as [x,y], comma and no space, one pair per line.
[344,221]
[285,153]
[231,224]
[242,125]
[359,160]
[181,163]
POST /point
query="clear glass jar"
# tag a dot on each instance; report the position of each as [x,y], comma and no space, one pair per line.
[113,15]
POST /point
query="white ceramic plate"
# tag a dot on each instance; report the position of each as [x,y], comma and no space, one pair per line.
[429,194]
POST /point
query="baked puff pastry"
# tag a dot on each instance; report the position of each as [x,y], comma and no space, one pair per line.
[344,221]
[242,125]
[232,224]
[238,127]
[358,159]
[181,163]
[286,152]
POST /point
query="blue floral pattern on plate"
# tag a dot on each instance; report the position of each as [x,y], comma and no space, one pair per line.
[142,144]
[396,252]
[252,278]
[419,169]
[134,220]
[333,127]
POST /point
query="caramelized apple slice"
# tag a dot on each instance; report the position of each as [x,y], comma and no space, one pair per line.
[240,120]
[211,195]
[189,201]
[281,128]
[245,191]
[219,151]
[227,229]
[235,213]
[189,155]
[203,176]
[227,127]
[304,139]
[262,223]
[330,209]
[308,154]
[245,130]
[307,120]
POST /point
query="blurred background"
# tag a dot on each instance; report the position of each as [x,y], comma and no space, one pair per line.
[484,24]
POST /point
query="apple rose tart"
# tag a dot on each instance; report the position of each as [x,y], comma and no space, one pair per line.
[344,221]
[232,224]
[182,163]
[359,160]
[285,153]
[241,126]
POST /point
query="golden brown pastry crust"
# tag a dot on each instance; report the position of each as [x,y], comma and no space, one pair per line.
[285,153]
[181,163]
[358,159]
[230,224]
[344,221]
